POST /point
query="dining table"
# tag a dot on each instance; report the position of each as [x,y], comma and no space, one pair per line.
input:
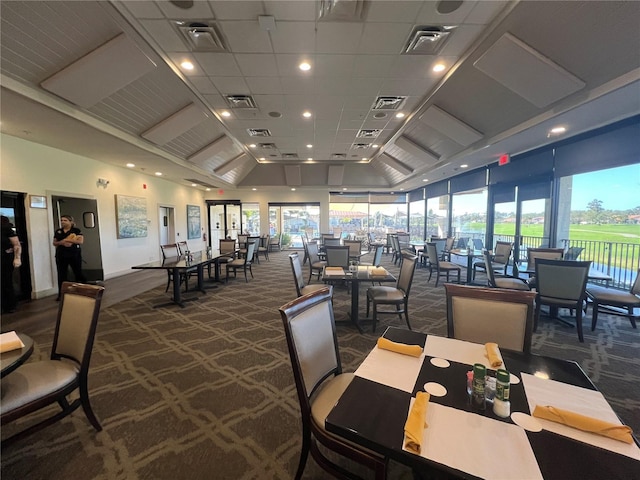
[470,254]
[12,359]
[181,265]
[593,275]
[463,441]
[354,277]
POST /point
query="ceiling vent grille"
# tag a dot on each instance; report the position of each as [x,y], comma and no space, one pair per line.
[259,132]
[368,133]
[360,146]
[342,10]
[338,156]
[290,156]
[241,101]
[267,146]
[388,103]
[427,40]
[201,36]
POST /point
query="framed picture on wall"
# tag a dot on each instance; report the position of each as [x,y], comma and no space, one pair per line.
[193,222]
[37,201]
[131,216]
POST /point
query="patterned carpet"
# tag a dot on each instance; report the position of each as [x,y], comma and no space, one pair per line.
[207,392]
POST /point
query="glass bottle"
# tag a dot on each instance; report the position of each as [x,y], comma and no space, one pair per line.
[501,404]
[477,398]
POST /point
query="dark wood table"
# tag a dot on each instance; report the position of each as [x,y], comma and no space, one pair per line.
[362,274]
[9,361]
[179,265]
[373,415]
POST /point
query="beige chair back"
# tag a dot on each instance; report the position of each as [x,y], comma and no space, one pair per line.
[545,253]
[331,242]
[312,250]
[296,268]
[481,315]
[169,251]
[355,247]
[337,256]
[407,269]
[502,253]
[562,279]
[227,245]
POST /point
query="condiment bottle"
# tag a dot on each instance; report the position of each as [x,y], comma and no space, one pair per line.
[501,404]
[477,398]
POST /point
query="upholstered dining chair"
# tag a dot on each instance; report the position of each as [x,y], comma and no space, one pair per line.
[614,302]
[331,242]
[448,246]
[243,264]
[377,256]
[397,296]
[500,260]
[355,248]
[502,281]
[275,242]
[316,266]
[337,256]
[227,247]
[263,247]
[36,385]
[172,252]
[561,284]
[481,315]
[546,253]
[298,277]
[313,348]
[439,266]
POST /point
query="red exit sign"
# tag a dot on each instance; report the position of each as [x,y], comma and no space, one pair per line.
[504,159]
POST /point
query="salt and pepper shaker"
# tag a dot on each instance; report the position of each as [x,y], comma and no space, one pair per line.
[477,397]
[501,404]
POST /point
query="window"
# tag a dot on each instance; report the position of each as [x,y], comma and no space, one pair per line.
[469,214]
[296,220]
[251,218]
[416,220]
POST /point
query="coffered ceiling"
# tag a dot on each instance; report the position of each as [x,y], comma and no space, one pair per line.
[398,94]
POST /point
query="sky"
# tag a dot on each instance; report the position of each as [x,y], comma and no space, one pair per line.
[617,188]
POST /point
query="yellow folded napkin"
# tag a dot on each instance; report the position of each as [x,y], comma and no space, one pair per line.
[379,271]
[582,422]
[10,341]
[413,350]
[493,354]
[334,269]
[416,423]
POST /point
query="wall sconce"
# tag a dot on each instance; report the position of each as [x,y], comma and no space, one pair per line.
[102,182]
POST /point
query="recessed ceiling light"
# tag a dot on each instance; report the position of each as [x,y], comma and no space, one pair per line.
[344,188]
[557,130]
[438,67]
[194,184]
[262,159]
[364,159]
[252,145]
[304,66]
[309,145]
[159,174]
[293,189]
[464,165]
[310,159]
[425,179]
[254,189]
[208,189]
[399,115]
[131,165]
[306,114]
[375,145]
[225,114]
[187,65]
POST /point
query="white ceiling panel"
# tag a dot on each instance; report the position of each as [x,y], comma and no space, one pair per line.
[246,37]
[257,65]
[218,64]
[338,38]
[165,35]
[265,85]
[198,11]
[231,85]
[143,8]
[383,38]
[299,10]
[398,11]
[293,37]
[226,10]
[203,85]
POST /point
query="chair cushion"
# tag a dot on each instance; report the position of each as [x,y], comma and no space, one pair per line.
[385,294]
[238,262]
[610,296]
[328,395]
[449,266]
[35,380]
[557,302]
[511,283]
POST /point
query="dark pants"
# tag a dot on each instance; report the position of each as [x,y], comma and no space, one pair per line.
[9,301]
[63,262]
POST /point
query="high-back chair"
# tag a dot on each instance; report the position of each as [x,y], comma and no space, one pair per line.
[36,385]
[561,284]
[298,277]
[441,267]
[275,242]
[500,259]
[609,300]
[573,253]
[502,281]
[263,247]
[171,251]
[355,248]
[448,246]
[397,296]
[377,256]
[313,348]
[227,248]
[337,232]
[337,256]
[331,242]
[533,254]
[316,266]
[242,263]
[481,315]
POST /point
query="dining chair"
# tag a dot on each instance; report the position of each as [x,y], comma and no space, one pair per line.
[448,246]
[337,256]
[331,242]
[502,281]
[227,248]
[275,242]
[316,266]
[172,252]
[613,301]
[561,284]
[533,254]
[337,232]
[305,241]
[298,277]
[477,243]
[397,296]
[377,256]
[355,248]
[36,385]
[500,260]
[395,249]
[320,382]
[481,315]
[263,247]
[242,263]
[242,242]
[440,266]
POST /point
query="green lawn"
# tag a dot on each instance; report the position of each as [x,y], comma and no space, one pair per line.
[596,233]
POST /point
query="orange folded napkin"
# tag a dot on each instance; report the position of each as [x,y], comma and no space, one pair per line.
[379,271]
[582,422]
[413,350]
[10,341]
[493,354]
[416,423]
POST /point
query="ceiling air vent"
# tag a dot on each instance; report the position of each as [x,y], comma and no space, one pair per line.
[360,146]
[338,156]
[388,103]
[290,156]
[241,101]
[259,132]
[343,10]
[368,133]
[267,146]
[201,36]
[427,40]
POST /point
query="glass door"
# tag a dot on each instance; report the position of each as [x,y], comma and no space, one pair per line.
[224,221]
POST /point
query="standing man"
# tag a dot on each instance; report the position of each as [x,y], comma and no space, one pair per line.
[67,240]
[11,258]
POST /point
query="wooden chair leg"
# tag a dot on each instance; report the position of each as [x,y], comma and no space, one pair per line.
[579,323]
[594,316]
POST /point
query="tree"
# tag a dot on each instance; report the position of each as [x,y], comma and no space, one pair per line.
[594,210]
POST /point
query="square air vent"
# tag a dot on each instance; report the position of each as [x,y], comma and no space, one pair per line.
[427,40]
[258,132]
[388,103]
[368,133]
[201,36]
[342,10]
[290,156]
[360,146]
[338,156]
[241,101]
[267,146]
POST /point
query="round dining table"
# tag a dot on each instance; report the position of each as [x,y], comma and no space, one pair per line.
[11,360]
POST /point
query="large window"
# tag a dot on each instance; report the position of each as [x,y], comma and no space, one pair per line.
[296,220]
[251,218]
[416,220]
[438,216]
[469,214]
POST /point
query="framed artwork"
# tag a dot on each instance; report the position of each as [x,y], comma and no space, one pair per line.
[131,216]
[193,222]
[37,201]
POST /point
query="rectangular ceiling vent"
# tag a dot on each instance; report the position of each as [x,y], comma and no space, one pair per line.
[200,183]
[201,36]
[259,132]
[267,146]
[241,101]
[360,146]
[373,133]
[427,40]
[342,10]
[338,156]
[388,103]
[290,156]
